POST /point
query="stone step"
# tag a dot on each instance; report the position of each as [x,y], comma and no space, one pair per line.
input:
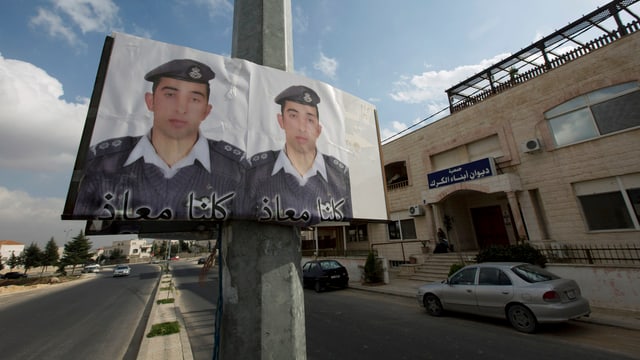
[437,266]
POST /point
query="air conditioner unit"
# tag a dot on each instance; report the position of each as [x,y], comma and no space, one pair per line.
[531,145]
[416,210]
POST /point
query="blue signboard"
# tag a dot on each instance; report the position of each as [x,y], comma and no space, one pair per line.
[461,173]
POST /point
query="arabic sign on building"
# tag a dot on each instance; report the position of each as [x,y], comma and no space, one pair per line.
[466,172]
[179,134]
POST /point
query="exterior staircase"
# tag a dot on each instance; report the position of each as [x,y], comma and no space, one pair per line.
[436,266]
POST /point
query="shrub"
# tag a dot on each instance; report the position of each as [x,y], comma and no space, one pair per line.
[454,268]
[372,269]
[165,301]
[518,253]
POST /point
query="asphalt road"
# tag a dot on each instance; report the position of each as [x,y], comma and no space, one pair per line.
[99,318]
[352,324]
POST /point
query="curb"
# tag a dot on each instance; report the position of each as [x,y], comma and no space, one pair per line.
[165,347]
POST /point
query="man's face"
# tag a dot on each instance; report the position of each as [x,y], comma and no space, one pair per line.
[301,126]
[178,108]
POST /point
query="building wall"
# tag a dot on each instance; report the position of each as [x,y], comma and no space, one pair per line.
[606,287]
[8,247]
[515,116]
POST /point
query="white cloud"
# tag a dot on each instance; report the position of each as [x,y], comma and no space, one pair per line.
[34,220]
[38,130]
[300,20]
[326,65]
[54,24]
[396,127]
[90,15]
[87,15]
[431,85]
[217,7]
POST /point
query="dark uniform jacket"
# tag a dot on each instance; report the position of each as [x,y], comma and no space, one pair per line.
[140,191]
[281,198]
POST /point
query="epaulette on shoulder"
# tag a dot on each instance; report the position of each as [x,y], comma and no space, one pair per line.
[230,151]
[113,146]
[335,163]
[262,158]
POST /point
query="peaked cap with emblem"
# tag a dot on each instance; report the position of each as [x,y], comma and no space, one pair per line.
[182,69]
[300,94]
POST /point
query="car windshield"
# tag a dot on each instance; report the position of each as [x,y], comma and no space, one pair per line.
[533,274]
[121,267]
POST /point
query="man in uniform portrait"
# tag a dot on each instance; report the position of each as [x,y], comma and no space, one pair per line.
[298,183]
[171,172]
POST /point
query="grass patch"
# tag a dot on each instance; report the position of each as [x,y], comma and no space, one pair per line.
[165,328]
[165,301]
[166,288]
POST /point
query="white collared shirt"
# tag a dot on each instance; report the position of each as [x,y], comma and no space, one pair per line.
[144,149]
[283,162]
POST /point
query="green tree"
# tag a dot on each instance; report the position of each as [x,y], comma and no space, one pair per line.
[14,261]
[50,256]
[372,269]
[116,254]
[32,257]
[184,246]
[161,251]
[76,252]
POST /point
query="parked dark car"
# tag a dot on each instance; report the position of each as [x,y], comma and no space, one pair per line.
[321,274]
[14,275]
[202,261]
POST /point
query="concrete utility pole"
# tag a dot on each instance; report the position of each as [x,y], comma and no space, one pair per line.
[262,33]
[263,300]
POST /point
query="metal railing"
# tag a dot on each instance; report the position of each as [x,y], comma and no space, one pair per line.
[600,254]
[543,68]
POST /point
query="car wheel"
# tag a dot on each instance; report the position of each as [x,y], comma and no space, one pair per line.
[522,319]
[317,286]
[433,305]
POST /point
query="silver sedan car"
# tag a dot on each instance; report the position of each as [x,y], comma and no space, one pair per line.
[524,294]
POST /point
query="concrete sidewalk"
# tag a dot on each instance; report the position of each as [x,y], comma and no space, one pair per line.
[165,347]
[409,288]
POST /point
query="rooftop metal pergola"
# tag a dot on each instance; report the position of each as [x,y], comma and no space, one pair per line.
[594,30]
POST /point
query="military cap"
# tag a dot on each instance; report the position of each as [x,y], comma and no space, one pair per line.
[300,94]
[182,69]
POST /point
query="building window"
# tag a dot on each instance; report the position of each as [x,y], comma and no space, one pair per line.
[396,175]
[357,233]
[611,203]
[595,114]
[402,230]
[488,147]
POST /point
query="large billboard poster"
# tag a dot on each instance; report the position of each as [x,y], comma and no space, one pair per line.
[183,135]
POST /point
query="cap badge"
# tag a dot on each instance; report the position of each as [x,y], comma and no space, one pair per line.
[195,73]
[307,97]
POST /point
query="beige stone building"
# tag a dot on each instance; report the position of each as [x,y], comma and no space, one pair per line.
[543,147]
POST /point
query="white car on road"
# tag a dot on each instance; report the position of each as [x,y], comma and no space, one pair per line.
[121,270]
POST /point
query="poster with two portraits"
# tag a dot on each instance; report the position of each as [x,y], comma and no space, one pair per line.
[244,164]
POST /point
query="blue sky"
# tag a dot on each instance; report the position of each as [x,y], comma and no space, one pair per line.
[399,55]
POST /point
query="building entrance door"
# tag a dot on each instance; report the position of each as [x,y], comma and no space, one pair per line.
[489,226]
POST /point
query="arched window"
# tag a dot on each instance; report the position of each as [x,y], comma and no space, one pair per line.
[595,114]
